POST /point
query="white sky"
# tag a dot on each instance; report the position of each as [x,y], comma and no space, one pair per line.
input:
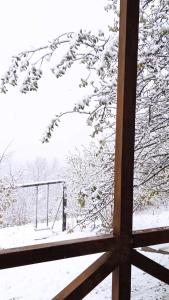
[23,118]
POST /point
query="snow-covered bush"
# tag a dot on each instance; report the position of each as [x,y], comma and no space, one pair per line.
[7,197]
[89,184]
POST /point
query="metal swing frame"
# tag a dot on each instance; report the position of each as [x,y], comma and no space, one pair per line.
[63,201]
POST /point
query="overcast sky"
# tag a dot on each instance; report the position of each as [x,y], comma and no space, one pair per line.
[23,118]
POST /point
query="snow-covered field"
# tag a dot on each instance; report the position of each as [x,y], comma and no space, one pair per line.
[44,281]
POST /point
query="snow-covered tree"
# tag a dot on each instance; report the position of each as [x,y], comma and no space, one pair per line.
[40,169]
[89,185]
[98,54]
[7,185]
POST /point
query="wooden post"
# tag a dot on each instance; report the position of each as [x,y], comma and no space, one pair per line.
[125,131]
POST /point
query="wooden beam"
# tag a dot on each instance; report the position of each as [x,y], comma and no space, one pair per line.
[125,132]
[162,251]
[121,287]
[90,278]
[33,254]
[149,266]
[125,120]
[151,236]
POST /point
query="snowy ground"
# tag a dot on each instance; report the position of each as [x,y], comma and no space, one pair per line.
[44,281]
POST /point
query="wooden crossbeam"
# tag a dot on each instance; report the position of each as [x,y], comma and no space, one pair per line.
[26,255]
[90,278]
[149,266]
[151,236]
[33,254]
